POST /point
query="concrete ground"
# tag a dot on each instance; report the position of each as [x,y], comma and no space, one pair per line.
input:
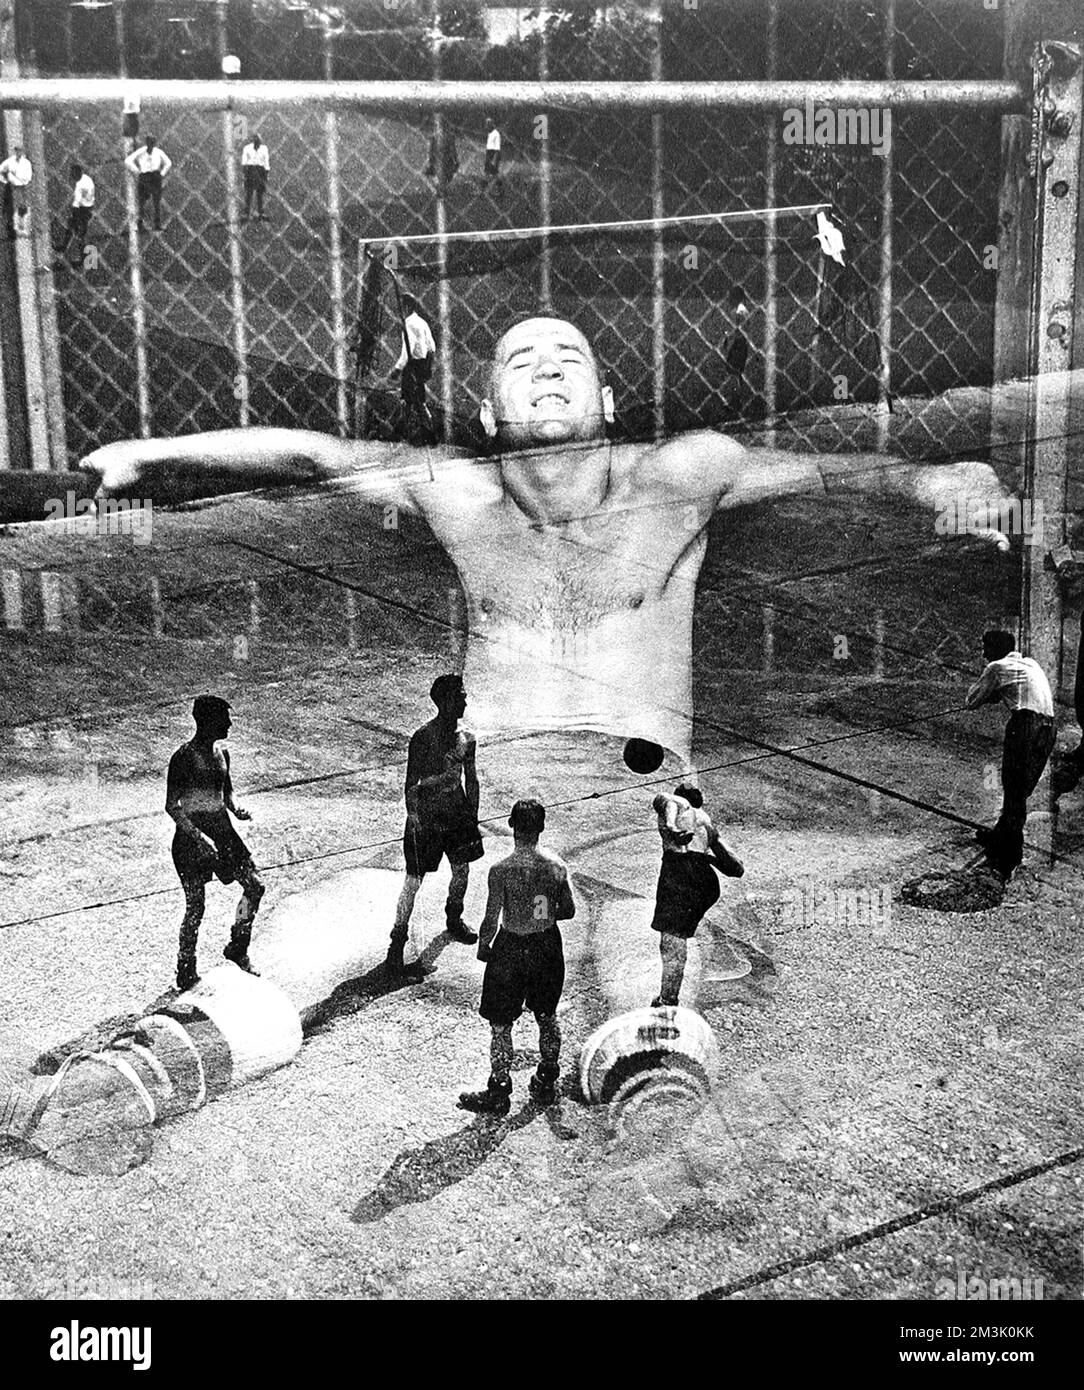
[886,1065]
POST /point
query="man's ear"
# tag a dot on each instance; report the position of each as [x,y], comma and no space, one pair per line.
[608,405]
[488,419]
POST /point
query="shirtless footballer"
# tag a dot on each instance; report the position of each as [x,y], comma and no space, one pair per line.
[199,799]
[441,793]
[579,558]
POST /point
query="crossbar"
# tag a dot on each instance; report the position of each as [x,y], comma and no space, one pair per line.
[986,95]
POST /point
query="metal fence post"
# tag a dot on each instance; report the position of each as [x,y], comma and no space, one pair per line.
[658,248]
[335,252]
[771,247]
[241,385]
[1058,107]
[41,234]
[30,327]
[884,308]
[135,254]
[444,292]
[545,170]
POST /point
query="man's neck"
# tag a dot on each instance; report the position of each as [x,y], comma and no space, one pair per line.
[559,484]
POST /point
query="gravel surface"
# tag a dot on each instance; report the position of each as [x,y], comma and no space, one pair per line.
[885,1065]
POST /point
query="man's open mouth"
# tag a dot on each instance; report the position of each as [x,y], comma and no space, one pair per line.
[551,398]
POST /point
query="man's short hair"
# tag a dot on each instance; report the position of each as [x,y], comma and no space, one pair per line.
[693,795]
[444,687]
[528,818]
[996,643]
[207,707]
[409,303]
[77,171]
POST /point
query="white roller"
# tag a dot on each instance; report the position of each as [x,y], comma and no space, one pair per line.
[319,937]
[259,1022]
[641,1031]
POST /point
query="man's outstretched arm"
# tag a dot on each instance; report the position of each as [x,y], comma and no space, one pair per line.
[712,471]
[203,465]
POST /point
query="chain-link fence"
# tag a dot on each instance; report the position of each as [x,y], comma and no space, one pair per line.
[215,321]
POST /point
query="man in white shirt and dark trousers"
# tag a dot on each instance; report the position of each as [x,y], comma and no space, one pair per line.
[16,172]
[520,942]
[151,165]
[256,163]
[1019,683]
[492,168]
[82,206]
[416,363]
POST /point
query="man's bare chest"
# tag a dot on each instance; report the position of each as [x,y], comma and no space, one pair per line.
[566,578]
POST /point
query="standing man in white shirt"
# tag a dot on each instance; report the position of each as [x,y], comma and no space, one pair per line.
[256,163]
[82,206]
[1020,684]
[492,168]
[151,165]
[130,112]
[16,173]
[416,363]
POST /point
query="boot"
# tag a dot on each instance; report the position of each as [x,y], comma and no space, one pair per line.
[240,959]
[543,1085]
[459,931]
[395,969]
[496,1099]
[186,973]
[237,950]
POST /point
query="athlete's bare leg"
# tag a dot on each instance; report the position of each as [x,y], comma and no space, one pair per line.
[457,892]
[543,1085]
[253,891]
[393,963]
[496,1099]
[405,906]
[674,951]
[194,905]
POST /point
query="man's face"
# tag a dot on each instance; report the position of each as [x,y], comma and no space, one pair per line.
[545,387]
[219,725]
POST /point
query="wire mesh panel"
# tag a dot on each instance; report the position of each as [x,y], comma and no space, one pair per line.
[705,324]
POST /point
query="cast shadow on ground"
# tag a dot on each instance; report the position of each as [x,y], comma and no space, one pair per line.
[418,1175]
[353,995]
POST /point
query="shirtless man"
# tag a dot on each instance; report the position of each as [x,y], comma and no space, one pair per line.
[579,558]
[442,816]
[529,894]
[687,885]
[199,798]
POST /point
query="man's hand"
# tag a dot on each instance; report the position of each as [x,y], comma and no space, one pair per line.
[959,488]
[209,850]
[241,813]
[116,466]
